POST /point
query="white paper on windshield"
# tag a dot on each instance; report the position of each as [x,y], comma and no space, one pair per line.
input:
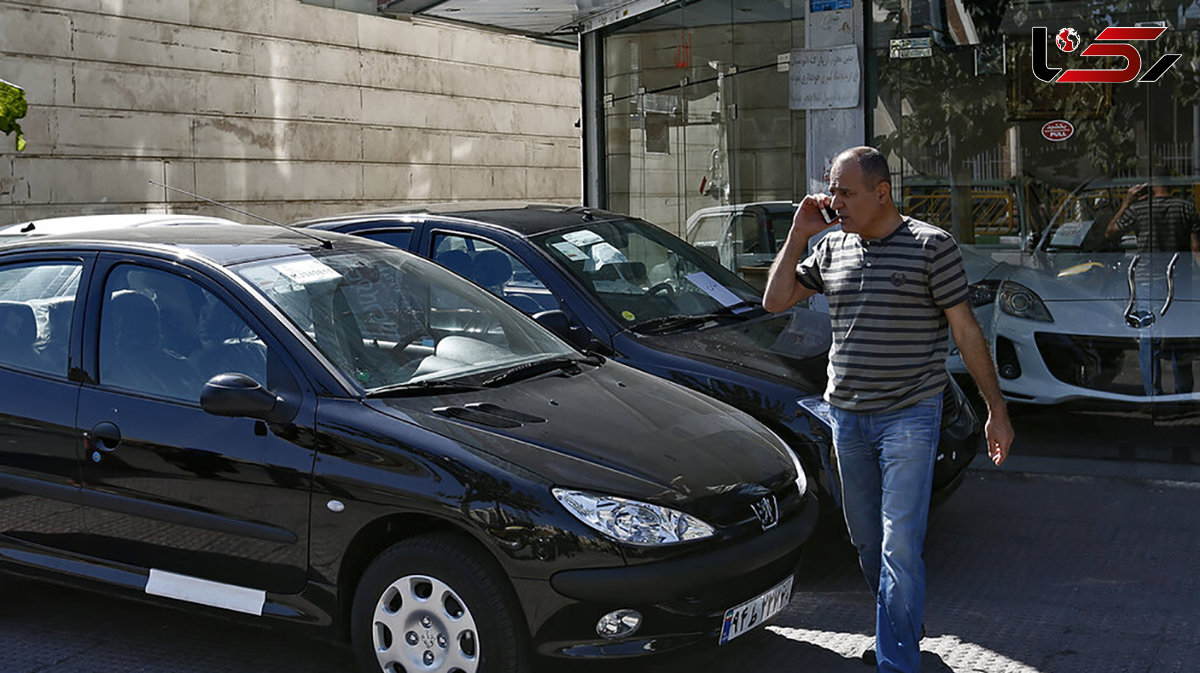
[605,253]
[1071,234]
[716,290]
[572,253]
[307,271]
[583,237]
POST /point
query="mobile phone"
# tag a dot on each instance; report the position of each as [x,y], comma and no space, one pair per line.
[828,214]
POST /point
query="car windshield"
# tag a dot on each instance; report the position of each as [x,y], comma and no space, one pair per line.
[389,319]
[1082,222]
[642,273]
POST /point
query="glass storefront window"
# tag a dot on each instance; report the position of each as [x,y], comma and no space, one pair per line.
[696,109]
[1075,203]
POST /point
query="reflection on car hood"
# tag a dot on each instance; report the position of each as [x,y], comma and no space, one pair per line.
[616,430]
[1103,276]
[792,347]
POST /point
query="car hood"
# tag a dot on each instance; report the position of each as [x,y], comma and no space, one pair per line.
[1104,276]
[791,347]
[615,430]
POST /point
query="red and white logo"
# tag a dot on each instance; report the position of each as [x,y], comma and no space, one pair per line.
[1058,130]
[1067,39]
[1114,41]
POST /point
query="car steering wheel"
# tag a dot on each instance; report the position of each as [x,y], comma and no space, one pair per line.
[662,287]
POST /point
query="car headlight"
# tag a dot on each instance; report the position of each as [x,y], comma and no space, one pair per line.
[1017,300]
[630,521]
[982,293]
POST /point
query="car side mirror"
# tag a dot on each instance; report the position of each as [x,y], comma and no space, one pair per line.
[239,395]
[556,321]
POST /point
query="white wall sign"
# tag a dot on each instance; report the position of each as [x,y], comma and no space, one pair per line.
[824,79]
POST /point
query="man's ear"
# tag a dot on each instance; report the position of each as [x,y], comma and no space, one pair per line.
[883,191]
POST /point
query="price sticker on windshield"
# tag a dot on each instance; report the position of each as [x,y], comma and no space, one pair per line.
[570,251]
[717,291]
[307,271]
[582,238]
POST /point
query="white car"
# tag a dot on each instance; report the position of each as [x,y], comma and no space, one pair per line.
[744,238]
[1085,316]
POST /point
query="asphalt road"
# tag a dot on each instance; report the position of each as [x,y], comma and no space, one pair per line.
[1028,573]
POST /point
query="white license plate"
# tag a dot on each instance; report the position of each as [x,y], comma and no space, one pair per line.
[755,611]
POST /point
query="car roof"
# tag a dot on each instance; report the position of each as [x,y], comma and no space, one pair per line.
[219,243]
[75,224]
[522,219]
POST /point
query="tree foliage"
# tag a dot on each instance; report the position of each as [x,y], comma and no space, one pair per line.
[12,108]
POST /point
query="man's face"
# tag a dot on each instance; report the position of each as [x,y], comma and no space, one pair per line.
[857,201]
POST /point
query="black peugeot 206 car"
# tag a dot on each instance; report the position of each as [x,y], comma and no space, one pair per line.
[620,286]
[319,429]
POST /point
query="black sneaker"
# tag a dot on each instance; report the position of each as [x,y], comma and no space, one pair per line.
[868,655]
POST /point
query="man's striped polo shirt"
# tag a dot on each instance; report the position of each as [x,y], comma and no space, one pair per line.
[887,299]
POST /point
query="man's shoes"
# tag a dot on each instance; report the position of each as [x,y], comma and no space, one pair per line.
[868,655]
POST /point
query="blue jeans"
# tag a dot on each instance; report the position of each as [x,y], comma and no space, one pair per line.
[886,463]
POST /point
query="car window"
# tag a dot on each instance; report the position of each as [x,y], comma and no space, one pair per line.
[495,269]
[37,303]
[399,238]
[708,229]
[165,335]
[641,272]
[384,317]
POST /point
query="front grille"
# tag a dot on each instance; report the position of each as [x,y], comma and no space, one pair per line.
[1110,364]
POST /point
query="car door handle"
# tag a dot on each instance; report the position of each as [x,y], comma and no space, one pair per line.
[104,437]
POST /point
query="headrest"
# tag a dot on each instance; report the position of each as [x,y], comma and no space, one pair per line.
[18,325]
[491,268]
[456,260]
[132,320]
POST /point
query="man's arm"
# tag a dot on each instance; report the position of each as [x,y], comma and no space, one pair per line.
[783,290]
[1114,228]
[1196,248]
[974,349]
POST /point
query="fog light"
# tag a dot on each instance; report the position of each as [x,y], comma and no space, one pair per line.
[619,624]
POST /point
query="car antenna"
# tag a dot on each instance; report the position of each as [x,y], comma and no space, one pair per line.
[325,243]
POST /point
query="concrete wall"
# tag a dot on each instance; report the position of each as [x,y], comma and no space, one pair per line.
[285,109]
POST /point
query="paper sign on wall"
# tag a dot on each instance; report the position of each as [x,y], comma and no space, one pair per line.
[824,79]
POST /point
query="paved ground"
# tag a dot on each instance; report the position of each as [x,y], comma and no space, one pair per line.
[1028,573]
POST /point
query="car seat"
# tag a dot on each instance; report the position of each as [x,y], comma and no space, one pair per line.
[18,335]
[132,354]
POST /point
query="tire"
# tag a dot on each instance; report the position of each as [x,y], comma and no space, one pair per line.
[436,604]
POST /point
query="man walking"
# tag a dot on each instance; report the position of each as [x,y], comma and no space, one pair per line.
[894,286]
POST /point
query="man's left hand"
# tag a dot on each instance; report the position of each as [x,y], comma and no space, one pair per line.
[999,433]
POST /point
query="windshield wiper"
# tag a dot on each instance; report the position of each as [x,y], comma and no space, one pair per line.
[666,322]
[421,388]
[538,367]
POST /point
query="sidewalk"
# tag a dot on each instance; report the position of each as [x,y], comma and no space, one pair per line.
[1028,573]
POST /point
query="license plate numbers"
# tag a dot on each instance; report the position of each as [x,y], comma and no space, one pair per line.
[744,617]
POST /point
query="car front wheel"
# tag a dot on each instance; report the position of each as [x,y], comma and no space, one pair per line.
[431,604]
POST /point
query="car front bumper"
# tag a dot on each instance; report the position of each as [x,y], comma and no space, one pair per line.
[682,599]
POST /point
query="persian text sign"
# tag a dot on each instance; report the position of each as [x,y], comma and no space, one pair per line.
[824,79]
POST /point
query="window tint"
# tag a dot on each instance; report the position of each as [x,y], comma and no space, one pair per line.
[495,269]
[399,238]
[37,303]
[164,335]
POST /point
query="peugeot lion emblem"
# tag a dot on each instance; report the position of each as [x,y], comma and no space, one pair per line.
[767,511]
